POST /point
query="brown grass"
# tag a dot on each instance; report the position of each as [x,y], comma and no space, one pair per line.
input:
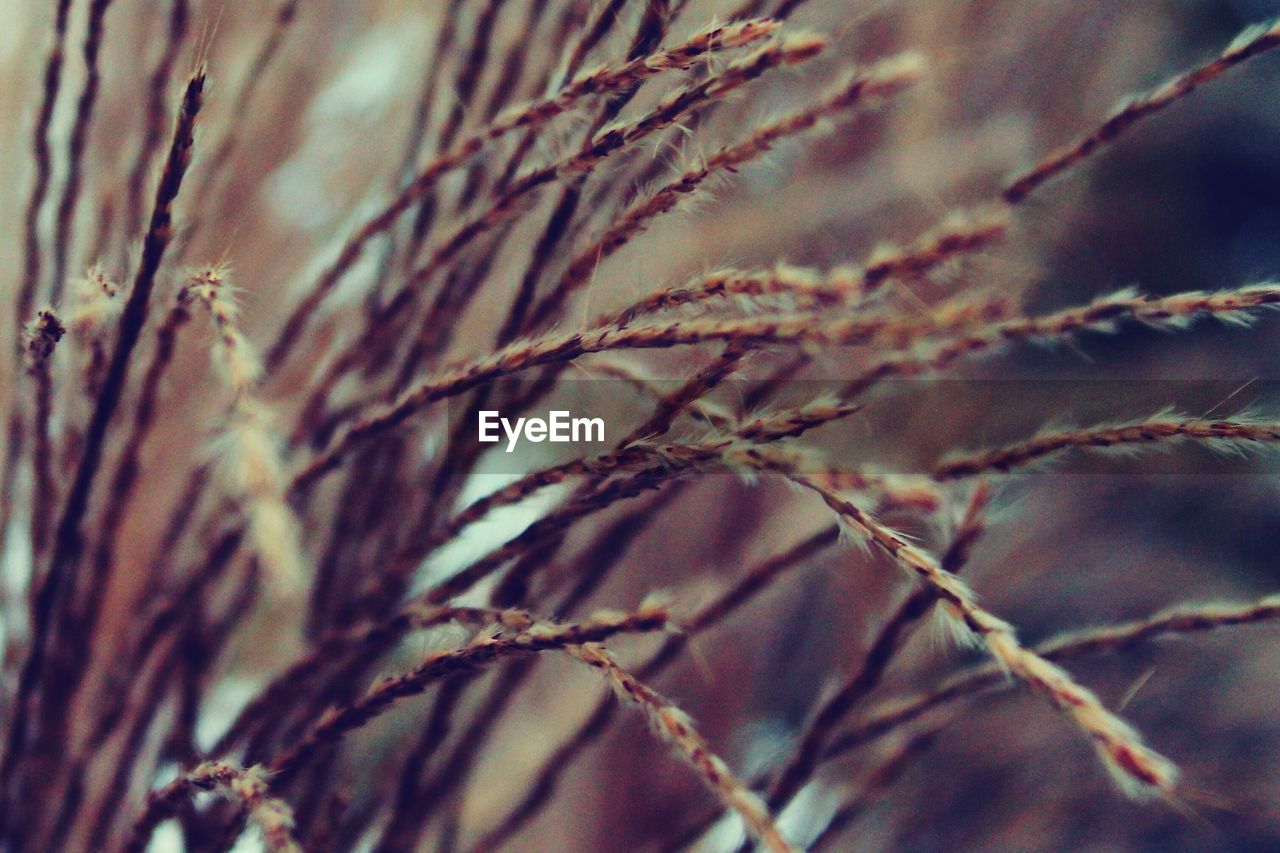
[244,580]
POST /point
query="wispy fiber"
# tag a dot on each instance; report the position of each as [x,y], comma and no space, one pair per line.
[295,601]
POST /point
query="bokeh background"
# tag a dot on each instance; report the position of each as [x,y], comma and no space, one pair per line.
[1191,200]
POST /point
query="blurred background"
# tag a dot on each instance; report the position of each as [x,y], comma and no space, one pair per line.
[1191,200]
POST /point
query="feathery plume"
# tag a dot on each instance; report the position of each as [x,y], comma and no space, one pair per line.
[675,726]
[1252,42]
[1161,430]
[250,452]
[482,651]
[251,786]
[598,82]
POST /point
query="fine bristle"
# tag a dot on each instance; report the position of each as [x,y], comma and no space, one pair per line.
[401,393]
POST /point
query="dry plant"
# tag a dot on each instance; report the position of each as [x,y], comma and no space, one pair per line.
[264,582]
